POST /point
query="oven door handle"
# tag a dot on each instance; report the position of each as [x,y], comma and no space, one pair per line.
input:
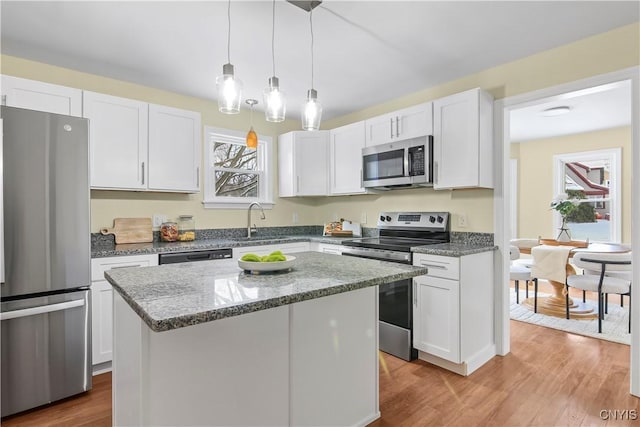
[415,293]
[403,258]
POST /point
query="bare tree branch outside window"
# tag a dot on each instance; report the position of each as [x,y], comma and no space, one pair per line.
[236,173]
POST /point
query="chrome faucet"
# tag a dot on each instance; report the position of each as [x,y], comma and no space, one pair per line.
[254,228]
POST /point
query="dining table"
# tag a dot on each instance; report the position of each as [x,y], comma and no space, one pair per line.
[555,304]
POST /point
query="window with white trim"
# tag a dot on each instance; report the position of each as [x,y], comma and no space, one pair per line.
[595,177]
[236,175]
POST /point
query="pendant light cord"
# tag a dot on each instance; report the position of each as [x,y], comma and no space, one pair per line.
[273,37]
[311,26]
[229,32]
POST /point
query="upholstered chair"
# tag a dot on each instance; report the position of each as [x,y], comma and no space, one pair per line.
[605,274]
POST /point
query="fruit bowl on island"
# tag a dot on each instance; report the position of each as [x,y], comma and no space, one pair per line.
[275,261]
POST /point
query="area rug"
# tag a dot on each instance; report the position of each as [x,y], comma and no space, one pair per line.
[614,326]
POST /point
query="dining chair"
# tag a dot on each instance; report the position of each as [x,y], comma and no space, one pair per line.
[599,269]
[519,272]
[524,243]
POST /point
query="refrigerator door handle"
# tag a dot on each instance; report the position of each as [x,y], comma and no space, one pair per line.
[41,309]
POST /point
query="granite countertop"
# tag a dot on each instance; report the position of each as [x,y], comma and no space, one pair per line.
[108,250]
[453,249]
[172,296]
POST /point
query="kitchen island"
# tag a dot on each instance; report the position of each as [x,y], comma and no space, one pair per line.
[209,344]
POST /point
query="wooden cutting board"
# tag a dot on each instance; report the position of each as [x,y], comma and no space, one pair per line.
[130,230]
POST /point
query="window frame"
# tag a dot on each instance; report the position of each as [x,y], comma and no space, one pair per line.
[265,171]
[614,155]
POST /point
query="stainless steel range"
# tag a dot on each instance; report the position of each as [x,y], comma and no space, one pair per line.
[398,233]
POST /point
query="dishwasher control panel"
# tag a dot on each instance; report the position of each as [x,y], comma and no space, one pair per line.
[193,256]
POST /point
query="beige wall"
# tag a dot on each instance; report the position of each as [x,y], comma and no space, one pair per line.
[535,176]
[600,54]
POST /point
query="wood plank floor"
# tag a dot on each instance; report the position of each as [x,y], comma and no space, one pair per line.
[550,378]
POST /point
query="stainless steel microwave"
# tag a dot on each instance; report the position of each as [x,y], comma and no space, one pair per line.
[407,163]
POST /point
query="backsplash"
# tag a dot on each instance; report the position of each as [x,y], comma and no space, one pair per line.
[98,239]
[476,239]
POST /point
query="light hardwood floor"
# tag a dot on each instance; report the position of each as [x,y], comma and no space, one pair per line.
[551,378]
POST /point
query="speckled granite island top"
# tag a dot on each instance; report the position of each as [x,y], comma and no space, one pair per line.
[178,295]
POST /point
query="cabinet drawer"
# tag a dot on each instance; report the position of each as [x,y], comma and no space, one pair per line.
[100,265]
[439,266]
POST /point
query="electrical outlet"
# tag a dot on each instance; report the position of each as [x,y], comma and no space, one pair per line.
[295,218]
[462,220]
[158,219]
[335,217]
[363,218]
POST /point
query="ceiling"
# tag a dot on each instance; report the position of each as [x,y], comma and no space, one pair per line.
[597,108]
[365,52]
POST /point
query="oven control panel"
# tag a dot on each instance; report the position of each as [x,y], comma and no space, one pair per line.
[418,220]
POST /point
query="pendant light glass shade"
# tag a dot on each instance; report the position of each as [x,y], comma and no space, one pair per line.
[276,104]
[311,111]
[252,137]
[229,91]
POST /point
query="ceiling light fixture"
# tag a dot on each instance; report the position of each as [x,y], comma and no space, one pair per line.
[305,4]
[252,137]
[556,111]
[312,109]
[274,100]
[229,87]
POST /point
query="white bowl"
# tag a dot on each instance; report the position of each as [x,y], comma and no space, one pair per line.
[268,266]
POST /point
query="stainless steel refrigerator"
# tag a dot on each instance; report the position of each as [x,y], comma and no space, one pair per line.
[45,301]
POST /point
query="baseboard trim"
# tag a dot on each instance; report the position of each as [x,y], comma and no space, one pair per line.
[464,368]
[101,368]
[367,420]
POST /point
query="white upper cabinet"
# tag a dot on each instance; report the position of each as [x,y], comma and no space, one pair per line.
[118,141]
[140,146]
[303,163]
[35,95]
[174,149]
[403,124]
[345,157]
[463,140]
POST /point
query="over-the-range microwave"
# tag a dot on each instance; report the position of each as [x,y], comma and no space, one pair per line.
[407,163]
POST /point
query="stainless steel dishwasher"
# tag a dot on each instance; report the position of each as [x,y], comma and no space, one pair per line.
[193,256]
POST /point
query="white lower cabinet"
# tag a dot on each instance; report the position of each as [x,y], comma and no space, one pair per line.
[102,305]
[286,248]
[453,313]
[327,248]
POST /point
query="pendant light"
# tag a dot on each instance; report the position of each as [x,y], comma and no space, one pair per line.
[252,137]
[274,99]
[312,109]
[229,87]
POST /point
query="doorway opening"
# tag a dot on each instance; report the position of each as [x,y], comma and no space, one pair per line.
[509,214]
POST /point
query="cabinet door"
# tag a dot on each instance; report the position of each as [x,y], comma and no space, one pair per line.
[436,317]
[380,130]
[102,302]
[463,144]
[311,152]
[118,141]
[414,121]
[345,158]
[174,149]
[286,172]
[101,322]
[35,95]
